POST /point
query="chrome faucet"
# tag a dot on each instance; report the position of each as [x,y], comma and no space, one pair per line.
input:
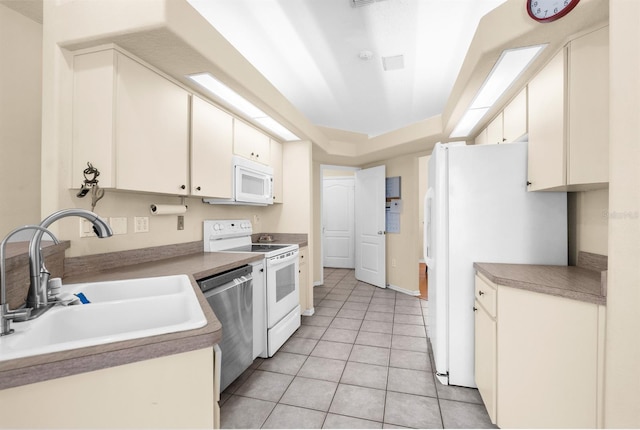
[38,294]
[7,315]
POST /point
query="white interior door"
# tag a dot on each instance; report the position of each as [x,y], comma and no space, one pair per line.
[370,226]
[338,220]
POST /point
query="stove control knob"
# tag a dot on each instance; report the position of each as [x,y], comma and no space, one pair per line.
[221,226]
[216,227]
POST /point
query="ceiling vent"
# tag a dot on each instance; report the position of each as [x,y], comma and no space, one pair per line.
[360,3]
[395,62]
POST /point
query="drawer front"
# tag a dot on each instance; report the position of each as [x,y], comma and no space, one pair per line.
[486,294]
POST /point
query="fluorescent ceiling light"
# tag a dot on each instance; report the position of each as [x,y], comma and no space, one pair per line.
[469,120]
[505,72]
[227,95]
[277,128]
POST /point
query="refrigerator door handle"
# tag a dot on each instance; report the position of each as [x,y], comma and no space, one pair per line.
[427,236]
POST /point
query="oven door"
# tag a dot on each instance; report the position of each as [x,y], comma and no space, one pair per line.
[283,289]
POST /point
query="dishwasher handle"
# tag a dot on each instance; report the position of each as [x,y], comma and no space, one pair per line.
[222,288]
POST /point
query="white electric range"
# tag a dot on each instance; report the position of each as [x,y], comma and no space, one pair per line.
[277,308]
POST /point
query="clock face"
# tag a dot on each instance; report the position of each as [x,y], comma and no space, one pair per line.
[549,10]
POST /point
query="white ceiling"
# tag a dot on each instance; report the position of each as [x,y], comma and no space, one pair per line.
[310,51]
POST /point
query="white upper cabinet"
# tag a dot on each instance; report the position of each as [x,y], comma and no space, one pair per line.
[494,130]
[211,150]
[514,118]
[276,163]
[509,126]
[569,117]
[546,158]
[589,108]
[250,143]
[131,123]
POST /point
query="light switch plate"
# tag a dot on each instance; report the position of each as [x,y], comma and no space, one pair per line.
[140,224]
[86,228]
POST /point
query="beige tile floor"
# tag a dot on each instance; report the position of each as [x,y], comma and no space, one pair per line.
[361,361]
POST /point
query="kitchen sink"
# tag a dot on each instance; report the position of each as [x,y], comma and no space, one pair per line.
[118,310]
[110,291]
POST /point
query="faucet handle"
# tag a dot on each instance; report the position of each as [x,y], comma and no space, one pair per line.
[12,315]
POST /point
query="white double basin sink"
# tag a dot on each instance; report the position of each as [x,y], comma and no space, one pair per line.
[117,311]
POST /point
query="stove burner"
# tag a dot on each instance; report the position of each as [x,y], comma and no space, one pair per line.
[258,247]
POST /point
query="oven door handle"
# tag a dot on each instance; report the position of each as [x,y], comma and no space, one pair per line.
[275,261]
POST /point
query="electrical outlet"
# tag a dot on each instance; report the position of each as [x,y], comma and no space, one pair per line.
[118,225]
[140,224]
[393,262]
[180,222]
[256,219]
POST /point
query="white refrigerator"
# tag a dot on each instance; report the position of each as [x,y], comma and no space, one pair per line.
[477,209]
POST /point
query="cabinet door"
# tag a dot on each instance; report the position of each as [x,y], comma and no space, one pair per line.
[250,143]
[93,90]
[485,358]
[306,291]
[211,150]
[494,130]
[152,131]
[276,164]
[546,106]
[514,118]
[548,361]
[259,310]
[481,138]
[589,109]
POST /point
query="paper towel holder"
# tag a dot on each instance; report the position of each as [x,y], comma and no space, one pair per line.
[169,209]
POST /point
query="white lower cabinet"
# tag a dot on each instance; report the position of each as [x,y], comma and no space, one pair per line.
[306,291]
[537,358]
[175,391]
[259,310]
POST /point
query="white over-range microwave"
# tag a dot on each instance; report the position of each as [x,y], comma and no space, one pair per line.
[252,184]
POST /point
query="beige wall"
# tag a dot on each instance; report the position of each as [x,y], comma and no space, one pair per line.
[317,273]
[20,119]
[401,247]
[622,352]
[588,223]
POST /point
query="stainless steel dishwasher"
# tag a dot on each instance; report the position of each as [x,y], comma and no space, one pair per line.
[230,295]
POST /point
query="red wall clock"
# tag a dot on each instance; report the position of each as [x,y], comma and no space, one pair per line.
[549,10]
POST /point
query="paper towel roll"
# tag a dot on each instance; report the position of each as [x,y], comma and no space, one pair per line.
[168,209]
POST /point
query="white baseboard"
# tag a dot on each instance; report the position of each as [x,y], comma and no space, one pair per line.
[403,291]
[318,283]
[309,312]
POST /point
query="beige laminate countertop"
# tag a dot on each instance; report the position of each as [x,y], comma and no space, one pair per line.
[197,266]
[571,282]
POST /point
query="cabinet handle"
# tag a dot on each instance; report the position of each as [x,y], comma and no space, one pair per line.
[528,183]
[475,309]
[261,270]
[182,187]
[198,188]
[253,153]
[481,292]
[257,155]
